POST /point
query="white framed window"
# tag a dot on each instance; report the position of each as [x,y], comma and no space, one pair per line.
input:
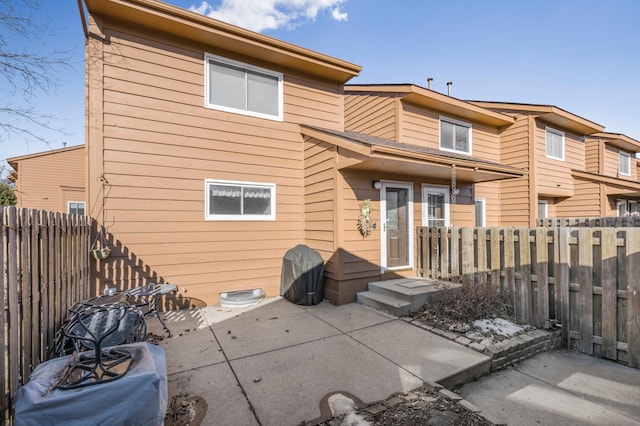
[555,144]
[76,207]
[621,208]
[481,212]
[435,205]
[229,200]
[625,163]
[543,209]
[240,88]
[455,135]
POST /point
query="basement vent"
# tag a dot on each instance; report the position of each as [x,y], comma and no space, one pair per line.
[242,298]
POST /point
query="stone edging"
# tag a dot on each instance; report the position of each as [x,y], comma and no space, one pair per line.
[506,352]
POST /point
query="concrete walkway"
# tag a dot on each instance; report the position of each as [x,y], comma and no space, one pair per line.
[274,363]
[560,388]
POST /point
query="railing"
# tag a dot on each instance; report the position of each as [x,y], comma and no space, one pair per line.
[586,279]
[610,221]
[45,270]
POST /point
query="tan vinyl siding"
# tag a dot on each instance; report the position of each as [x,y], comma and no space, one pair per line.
[490,191]
[47,181]
[585,201]
[592,156]
[161,143]
[371,115]
[419,127]
[515,193]
[612,164]
[422,127]
[319,202]
[554,176]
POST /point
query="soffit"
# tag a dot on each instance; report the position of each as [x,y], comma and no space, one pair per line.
[368,153]
[202,29]
[436,101]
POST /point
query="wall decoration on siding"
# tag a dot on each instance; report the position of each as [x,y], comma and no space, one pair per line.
[365,223]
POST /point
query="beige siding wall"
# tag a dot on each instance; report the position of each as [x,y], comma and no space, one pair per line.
[320,202]
[490,191]
[585,201]
[160,144]
[554,176]
[612,164]
[371,115]
[49,181]
[515,193]
[422,127]
[592,156]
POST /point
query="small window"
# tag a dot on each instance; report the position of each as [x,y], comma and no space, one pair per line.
[634,208]
[543,209]
[455,135]
[239,200]
[555,144]
[244,89]
[625,163]
[481,212]
[621,208]
[76,207]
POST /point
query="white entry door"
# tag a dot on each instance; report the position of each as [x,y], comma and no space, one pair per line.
[396,210]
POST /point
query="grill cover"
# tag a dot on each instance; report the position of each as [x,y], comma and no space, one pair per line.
[302,276]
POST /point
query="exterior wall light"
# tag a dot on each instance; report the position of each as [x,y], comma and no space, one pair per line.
[377,184]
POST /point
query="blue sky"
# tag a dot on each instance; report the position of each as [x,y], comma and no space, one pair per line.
[580,55]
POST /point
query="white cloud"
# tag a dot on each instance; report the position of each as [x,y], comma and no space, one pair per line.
[260,15]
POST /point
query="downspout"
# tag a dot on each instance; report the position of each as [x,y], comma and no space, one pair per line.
[83,19]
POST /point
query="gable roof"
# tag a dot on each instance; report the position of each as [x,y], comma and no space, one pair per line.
[549,113]
[194,26]
[436,101]
[367,152]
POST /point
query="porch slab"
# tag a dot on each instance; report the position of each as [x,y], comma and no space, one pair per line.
[348,318]
[426,355]
[275,326]
[290,383]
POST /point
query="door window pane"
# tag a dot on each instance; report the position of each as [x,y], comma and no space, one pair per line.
[436,209]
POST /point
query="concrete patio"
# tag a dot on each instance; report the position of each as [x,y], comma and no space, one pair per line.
[273,363]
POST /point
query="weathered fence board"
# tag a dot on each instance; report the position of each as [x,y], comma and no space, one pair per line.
[591,222]
[585,279]
[45,270]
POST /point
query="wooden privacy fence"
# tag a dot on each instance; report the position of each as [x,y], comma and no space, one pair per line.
[586,279]
[611,221]
[45,270]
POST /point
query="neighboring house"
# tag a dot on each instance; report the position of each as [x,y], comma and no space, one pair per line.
[51,180]
[611,175]
[573,166]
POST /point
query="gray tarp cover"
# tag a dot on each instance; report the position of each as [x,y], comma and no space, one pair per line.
[302,276]
[138,398]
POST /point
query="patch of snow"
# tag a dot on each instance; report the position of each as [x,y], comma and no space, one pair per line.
[342,405]
[499,326]
[354,419]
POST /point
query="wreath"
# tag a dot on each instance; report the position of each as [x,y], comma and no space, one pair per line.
[365,223]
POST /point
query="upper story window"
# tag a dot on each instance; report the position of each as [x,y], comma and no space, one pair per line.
[227,200]
[76,207]
[241,88]
[625,163]
[555,144]
[455,135]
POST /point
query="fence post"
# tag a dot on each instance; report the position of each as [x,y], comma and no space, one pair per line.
[542,277]
[455,253]
[608,266]
[509,265]
[632,251]
[467,257]
[494,244]
[525,304]
[585,279]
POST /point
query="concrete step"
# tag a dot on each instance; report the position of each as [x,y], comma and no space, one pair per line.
[415,291]
[389,304]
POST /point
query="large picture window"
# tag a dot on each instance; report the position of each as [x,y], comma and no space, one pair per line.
[555,144]
[227,200]
[236,87]
[455,135]
[625,163]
